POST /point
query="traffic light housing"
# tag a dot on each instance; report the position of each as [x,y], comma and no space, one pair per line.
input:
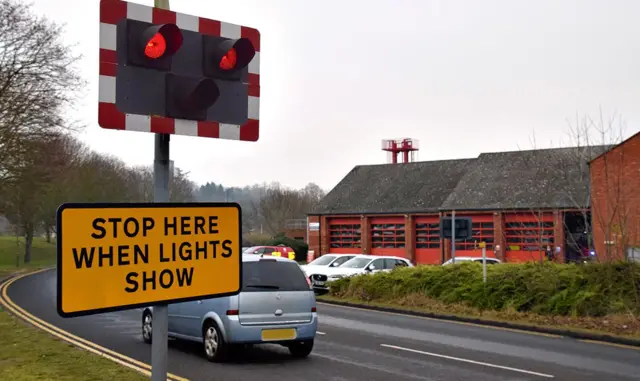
[463,228]
[226,58]
[181,74]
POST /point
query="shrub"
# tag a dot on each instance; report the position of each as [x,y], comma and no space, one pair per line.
[549,288]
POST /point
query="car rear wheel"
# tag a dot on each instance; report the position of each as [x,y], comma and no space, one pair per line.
[147,327]
[215,348]
[301,349]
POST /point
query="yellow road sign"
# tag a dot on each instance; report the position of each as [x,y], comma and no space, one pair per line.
[120,256]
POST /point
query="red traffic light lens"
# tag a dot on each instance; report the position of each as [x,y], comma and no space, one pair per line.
[229,60]
[156,46]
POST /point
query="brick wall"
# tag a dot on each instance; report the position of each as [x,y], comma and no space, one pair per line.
[615,199]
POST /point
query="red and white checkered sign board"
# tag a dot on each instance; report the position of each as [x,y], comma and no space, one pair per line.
[111,12]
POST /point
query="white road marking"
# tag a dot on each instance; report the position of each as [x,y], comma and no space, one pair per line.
[320,333]
[467,361]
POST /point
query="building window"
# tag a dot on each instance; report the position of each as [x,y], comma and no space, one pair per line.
[529,236]
[480,232]
[428,236]
[387,236]
[345,236]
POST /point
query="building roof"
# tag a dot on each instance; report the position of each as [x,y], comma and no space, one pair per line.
[614,146]
[533,179]
[394,188]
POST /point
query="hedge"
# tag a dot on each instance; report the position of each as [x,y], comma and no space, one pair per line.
[549,288]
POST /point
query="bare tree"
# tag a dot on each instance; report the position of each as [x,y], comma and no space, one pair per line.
[37,175]
[278,204]
[38,83]
[531,229]
[612,217]
[588,138]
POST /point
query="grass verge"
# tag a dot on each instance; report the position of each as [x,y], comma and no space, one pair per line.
[28,354]
[595,298]
[43,254]
[624,326]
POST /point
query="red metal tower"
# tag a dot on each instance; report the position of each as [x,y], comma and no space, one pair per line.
[409,148]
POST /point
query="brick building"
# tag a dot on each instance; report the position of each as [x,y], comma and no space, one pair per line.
[615,200]
[521,204]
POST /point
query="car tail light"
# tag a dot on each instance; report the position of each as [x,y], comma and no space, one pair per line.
[233,312]
[314,309]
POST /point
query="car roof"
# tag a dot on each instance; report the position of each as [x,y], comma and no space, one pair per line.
[474,258]
[381,256]
[343,255]
[257,257]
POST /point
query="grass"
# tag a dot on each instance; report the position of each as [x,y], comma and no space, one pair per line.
[28,354]
[602,298]
[43,254]
[620,325]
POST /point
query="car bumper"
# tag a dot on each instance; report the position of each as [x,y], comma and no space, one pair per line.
[252,334]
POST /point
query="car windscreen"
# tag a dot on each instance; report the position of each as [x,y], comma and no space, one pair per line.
[323,261]
[268,275]
[340,261]
[356,263]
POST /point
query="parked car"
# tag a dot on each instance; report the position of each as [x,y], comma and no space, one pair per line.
[361,264]
[277,251]
[326,261]
[275,305]
[490,261]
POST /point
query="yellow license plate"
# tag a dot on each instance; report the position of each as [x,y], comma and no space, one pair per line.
[278,334]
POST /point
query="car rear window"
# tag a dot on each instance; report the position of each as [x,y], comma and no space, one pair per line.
[268,275]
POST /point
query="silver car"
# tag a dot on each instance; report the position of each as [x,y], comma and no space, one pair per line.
[276,305]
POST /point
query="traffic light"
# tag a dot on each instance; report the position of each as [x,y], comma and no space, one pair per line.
[151,46]
[226,58]
[181,74]
[463,228]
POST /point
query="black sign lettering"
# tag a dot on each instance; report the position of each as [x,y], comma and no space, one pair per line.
[114,223]
[201,249]
[170,224]
[226,248]
[213,224]
[146,280]
[98,226]
[182,277]
[147,225]
[198,224]
[85,256]
[132,281]
[131,227]
[105,254]
[185,225]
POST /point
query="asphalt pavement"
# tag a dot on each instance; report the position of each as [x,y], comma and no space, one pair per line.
[355,344]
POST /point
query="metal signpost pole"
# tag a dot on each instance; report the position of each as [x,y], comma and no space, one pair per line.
[484,262]
[160,334]
[453,237]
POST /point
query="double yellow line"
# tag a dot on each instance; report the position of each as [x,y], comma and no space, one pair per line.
[70,338]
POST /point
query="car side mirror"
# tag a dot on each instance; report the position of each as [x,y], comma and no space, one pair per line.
[371,268]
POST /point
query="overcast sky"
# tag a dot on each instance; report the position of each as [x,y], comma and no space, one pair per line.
[337,77]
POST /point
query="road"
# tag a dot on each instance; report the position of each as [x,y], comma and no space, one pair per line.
[355,344]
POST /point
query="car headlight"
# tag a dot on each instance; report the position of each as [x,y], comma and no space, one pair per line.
[335,277]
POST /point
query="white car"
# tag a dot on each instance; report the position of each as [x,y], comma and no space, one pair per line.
[490,261]
[320,264]
[361,264]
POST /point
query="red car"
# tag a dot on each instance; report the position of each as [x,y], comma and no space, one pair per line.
[276,251]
